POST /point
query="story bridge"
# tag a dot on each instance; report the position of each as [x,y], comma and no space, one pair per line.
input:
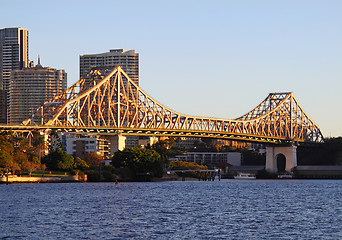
[108,102]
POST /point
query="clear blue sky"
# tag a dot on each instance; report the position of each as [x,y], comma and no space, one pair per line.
[203,58]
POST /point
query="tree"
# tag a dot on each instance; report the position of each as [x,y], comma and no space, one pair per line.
[16,153]
[181,165]
[93,159]
[6,160]
[39,144]
[80,164]
[6,152]
[56,141]
[29,166]
[59,160]
[139,161]
[328,153]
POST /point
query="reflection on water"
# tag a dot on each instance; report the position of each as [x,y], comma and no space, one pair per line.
[293,209]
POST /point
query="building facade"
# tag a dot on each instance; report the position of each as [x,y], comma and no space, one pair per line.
[128,60]
[211,159]
[140,141]
[30,88]
[80,145]
[13,56]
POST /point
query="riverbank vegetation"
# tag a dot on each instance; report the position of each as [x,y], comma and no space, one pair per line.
[17,155]
[135,164]
[328,153]
[178,166]
[138,164]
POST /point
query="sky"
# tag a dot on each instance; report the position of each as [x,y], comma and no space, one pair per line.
[203,58]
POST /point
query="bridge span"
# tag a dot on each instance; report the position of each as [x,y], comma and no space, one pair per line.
[107,102]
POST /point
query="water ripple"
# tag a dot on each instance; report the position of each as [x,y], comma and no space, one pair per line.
[173,210]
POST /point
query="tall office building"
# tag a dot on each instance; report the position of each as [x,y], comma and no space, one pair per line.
[13,56]
[128,60]
[31,87]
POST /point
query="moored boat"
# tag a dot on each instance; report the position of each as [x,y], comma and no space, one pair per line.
[247,176]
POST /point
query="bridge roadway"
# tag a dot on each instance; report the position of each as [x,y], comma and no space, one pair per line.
[127,131]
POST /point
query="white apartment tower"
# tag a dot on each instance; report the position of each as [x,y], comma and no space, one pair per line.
[128,60]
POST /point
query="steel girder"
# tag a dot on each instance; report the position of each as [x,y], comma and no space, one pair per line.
[109,100]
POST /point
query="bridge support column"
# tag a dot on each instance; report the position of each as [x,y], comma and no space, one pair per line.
[272,154]
[117,142]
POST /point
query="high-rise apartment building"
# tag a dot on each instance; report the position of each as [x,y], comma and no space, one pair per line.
[128,60]
[31,87]
[13,56]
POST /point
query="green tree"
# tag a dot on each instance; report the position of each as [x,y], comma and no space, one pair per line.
[6,145]
[108,173]
[80,164]
[328,153]
[56,141]
[59,160]
[139,161]
[39,145]
[6,160]
[181,165]
[6,152]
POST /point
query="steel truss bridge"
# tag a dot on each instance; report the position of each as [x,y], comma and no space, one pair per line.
[108,102]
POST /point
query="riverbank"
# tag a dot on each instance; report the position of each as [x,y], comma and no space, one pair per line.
[43,179]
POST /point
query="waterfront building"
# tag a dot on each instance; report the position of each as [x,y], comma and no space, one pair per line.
[140,141]
[128,60]
[31,87]
[211,159]
[80,145]
[191,143]
[13,56]
[186,142]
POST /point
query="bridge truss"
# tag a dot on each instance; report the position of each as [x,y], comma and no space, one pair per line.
[107,101]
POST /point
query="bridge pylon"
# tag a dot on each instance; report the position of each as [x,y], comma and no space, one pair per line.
[275,158]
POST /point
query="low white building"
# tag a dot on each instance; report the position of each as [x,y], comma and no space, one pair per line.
[79,145]
[212,158]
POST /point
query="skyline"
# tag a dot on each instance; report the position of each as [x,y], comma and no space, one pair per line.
[221,59]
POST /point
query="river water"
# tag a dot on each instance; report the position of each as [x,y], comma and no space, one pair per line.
[230,209]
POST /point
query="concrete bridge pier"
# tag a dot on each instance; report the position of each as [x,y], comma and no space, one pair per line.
[279,158]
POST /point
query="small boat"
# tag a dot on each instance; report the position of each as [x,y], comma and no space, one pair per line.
[247,176]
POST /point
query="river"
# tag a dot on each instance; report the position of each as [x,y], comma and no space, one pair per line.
[230,209]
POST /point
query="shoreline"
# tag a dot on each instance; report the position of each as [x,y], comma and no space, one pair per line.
[44,179]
